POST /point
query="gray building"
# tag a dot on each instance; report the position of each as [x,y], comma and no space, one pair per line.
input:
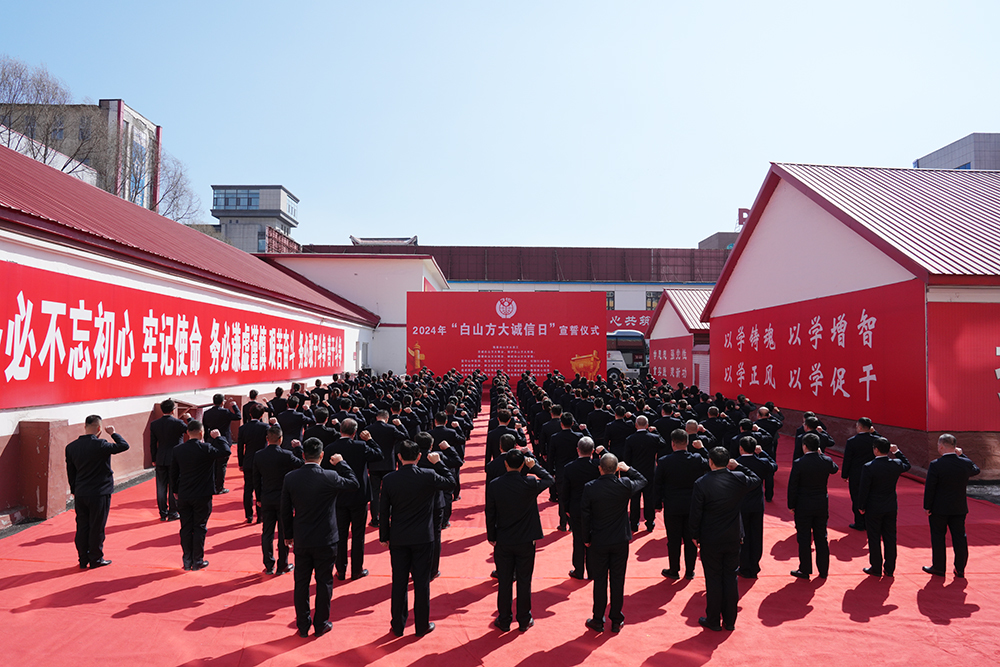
[254,217]
[979,150]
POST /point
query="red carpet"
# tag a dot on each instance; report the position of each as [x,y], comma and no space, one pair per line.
[145,610]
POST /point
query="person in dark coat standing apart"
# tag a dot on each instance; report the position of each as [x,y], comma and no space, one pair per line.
[756,459]
[606,530]
[946,504]
[309,514]
[810,503]
[88,468]
[877,503]
[717,529]
[192,474]
[270,465]
[512,526]
[165,433]
[406,527]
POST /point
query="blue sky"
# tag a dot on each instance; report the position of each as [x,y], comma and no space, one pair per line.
[572,123]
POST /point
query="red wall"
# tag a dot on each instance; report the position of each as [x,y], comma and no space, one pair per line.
[806,364]
[964,358]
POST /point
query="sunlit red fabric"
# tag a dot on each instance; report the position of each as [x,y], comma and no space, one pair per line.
[672,358]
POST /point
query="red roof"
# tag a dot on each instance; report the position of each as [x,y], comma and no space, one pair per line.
[45,202]
[942,225]
[687,302]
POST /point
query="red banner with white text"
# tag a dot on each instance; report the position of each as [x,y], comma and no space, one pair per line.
[672,358]
[515,332]
[635,320]
[848,355]
[69,339]
[963,340]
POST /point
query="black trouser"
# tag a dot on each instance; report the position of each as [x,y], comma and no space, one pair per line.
[458,482]
[307,561]
[436,549]
[882,529]
[721,590]
[810,527]
[678,534]
[753,542]
[375,480]
[194,526]
[220,473]
[645,495]
[248,492]
[607,564]
[164,494]
[854,486]
[514,559]
[941,524]
[446,509]
[269,519]
[351,518]
[91,519]
[579,547]
[411,560]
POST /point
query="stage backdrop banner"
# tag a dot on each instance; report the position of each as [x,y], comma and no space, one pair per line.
[513,332]
[65,340]
[673,359]
[848,355]
[964,362]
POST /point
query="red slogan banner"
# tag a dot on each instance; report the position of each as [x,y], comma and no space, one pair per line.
[671,358]
[636,320]
[849,355]
[515,332]
[69,339]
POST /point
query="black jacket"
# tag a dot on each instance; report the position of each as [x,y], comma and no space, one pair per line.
[406,504]
[674,479]
[715,506]
[944,490]
[493,440]
[88,464]
[387,437]
[217,417]
[270,465]
[357,454]
[512,506]
[857,452]
[252,438]
[165,433]
[764,467]
[192,473]
[807,482]
[309,504]
[878,484]
[642,449]
[573,477]
[604,508]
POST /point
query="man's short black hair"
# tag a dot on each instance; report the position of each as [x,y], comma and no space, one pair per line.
[218,399]
[312,448]
[409,450]
[92,419]
[507,442]
[194,426]
[882,445]
[719,456]
[810,441]
[514,458]
[748,444]
[167,406]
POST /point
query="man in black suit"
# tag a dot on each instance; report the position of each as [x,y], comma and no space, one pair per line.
[88,469]
[598,420]
[251,438]
[815,426]
[270,465]
[716,528]
[673,482]
[618,431]
[452,435]
[406,527]
[512,526]
[218,418]
[809,502]
[858,450]
[718,424]
[387,436]
[877,503]
[642,449]
[747,429]
[946,504]
[572,479]
[293,421]
[562,450]
[605,524]
[503,426]
[449,458]
[248,406]
[668,421]
[352,506]
[309,514]
[192,475]
[165,433]
[756,458]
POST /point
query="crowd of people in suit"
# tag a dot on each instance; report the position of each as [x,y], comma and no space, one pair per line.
[321,462]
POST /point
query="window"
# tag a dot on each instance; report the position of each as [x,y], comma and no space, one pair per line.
[261,241]
[967,165]
[237,200]
[652,300]
[58,129]
[610,300]
[292,208]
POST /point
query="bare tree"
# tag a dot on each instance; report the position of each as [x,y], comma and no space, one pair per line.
[177,199]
